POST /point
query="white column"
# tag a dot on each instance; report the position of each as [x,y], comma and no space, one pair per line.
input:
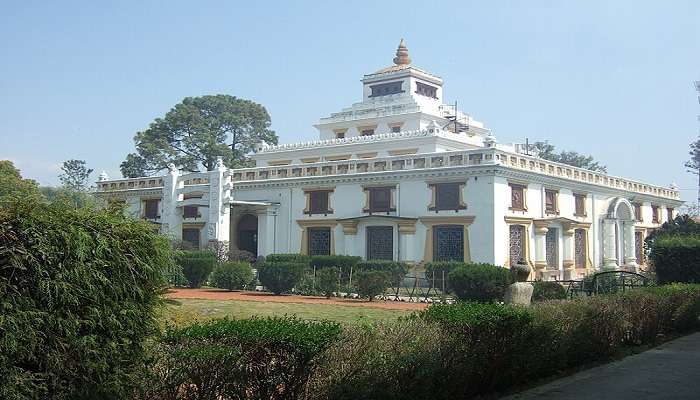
[630,248]
[219,218]
[568,251]
[266,231]
[169,218]
[609,244]
[540,250]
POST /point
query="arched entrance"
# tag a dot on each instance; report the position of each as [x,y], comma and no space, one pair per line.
[619,249]
[247,233]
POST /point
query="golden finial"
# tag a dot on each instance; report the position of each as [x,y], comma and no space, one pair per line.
[402,57]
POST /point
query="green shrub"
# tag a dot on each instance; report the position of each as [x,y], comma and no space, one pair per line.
[239,359]
[340,262]
[196,265]
[280,277]
[232,275]
[676,259]
[371,283]
[395,270]
[328,281]
[544,290]
[80,290]
[479,282]
[291,258]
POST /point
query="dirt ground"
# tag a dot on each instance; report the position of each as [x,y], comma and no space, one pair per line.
[219,294]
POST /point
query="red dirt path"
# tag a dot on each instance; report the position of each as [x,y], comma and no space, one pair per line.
[218,294]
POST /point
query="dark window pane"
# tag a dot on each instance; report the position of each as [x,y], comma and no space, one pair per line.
[550,201]
[151,211]
[190,212]
[448,243]
[380,243]
[580,204]
[385,89]
[318,202]
[580,251]
[516,197]
[380,199]
[447,196]
[552,248]
[517,244]
[319,241]
[426,90]
[191,236]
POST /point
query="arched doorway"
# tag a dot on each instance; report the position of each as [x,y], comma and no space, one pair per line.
[619,248]
[247,233]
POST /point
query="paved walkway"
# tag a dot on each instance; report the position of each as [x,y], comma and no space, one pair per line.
[670,371]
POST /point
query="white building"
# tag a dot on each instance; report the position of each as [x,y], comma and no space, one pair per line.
[402,176]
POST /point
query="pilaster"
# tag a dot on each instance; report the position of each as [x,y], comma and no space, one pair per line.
[169,218]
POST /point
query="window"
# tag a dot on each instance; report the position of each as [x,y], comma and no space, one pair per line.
[670,213]
[580,205]
[151,209]
[190,212]
[380,199]
[385,89]
[396,129]
[638,212]
[448,196]
[319,241]
[655,214]
[426,90]
[517,197]
[552,248]
[191,237]
[192,196]
[380,243]
[639,247]
[448,243]
[367,132]
[340,135]
[517,244]
[318,202]
[550,201]
[580,248]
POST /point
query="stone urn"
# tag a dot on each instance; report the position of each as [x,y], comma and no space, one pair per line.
[519,292]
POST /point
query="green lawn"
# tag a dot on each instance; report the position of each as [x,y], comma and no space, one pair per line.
[182,311]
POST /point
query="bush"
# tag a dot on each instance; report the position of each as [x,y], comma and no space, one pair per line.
[80,292]
[371,283]
[232,275]
[395,270]
[544,290]
[196,265]
[341,262]
[239,359]
[280,277]
[676,259]
[479,282]
[292,258]
[327,280]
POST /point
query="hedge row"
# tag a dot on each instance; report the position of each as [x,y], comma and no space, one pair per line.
[445,352]
[676,259]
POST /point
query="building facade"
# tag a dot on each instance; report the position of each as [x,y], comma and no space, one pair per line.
[403,176]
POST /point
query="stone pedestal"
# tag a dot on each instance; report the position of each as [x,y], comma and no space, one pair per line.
[519,293]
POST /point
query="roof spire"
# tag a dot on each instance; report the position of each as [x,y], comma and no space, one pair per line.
[402,57]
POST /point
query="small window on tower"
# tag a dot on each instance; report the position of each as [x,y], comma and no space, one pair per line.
[367,132]
[396,129]
[426,90]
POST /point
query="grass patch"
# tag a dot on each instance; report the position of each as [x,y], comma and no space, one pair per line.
[184,311]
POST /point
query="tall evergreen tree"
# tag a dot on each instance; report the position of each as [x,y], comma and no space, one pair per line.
[547,151]
[75,175]
[693,164]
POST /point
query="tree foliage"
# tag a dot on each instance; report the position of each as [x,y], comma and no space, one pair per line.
[75,175]
[13,185]
[693,164]
[197,131]
[548,152]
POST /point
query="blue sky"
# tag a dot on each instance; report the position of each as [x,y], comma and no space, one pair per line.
[608,78]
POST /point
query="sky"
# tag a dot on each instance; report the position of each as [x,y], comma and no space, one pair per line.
[613,79]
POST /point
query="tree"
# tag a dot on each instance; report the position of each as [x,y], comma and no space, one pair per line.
[13,185]
[547,151]
[197,131]
[75,175]
[693,164]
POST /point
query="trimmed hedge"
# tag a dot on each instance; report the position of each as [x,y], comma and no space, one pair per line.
[232,275]
[436,268]
[372,283]
[196,265]
[676,259]
[395,270]
[548,290]
[341,262]
[328,281]
[479,282]
[79,291]
[292,257]
[473,349]
[239,359]
[280,277]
